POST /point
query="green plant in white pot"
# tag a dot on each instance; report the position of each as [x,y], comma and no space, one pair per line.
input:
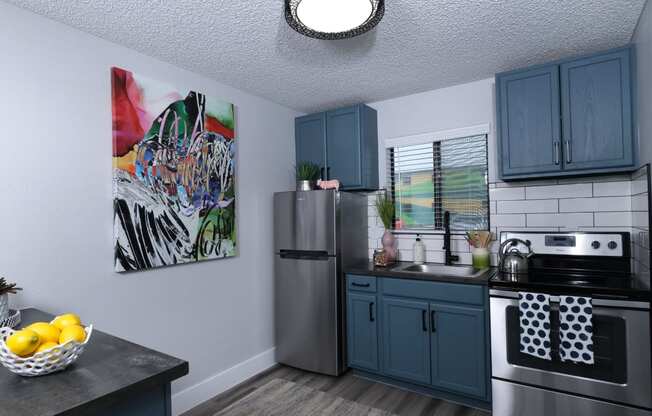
[5,290]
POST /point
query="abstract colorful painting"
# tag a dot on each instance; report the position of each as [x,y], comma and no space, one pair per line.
[173,174]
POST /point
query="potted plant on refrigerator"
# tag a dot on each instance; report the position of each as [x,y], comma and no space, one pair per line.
[5,290]
[385,209]
[307,175]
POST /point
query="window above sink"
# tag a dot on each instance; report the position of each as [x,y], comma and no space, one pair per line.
[430,174]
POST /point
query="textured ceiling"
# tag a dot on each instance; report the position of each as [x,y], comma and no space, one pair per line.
[420,44]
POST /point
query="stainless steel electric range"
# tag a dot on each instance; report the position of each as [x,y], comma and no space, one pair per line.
[596,265]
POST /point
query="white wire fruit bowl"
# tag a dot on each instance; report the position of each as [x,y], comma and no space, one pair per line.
[44,362]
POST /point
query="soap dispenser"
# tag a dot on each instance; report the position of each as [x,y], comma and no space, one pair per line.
[419,250]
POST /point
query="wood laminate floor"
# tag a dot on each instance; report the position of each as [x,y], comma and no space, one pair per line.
[392,399]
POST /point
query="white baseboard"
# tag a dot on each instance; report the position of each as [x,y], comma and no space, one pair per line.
[190,397]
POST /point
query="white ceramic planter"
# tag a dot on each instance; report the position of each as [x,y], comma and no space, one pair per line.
[4,307]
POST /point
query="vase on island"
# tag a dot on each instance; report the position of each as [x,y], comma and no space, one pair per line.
[5,289]
[4,307]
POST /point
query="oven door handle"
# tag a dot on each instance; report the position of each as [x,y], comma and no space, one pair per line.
[613,303]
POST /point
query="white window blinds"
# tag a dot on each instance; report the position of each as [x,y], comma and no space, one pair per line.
[428,179]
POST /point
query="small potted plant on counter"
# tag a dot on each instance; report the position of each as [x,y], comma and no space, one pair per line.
[5,290]
[307,175]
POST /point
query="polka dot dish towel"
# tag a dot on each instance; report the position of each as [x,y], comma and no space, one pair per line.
[576,329]
[534,315]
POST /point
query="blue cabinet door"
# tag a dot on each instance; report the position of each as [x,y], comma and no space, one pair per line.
[597,112]
[458,349]
[362,331]
[528,121]
[310,139]
[405,340]
[344,147]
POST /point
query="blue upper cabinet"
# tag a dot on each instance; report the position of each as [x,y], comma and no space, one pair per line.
[310,140]
[596,100]
[567,118]
[348,140]
[344,147]
[530,126]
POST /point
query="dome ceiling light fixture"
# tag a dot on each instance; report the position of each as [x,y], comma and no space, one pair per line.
[333,19]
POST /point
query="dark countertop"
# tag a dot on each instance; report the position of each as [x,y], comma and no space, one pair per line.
[109,369]
[371,270]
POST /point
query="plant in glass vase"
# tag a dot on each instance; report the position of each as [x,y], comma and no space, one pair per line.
[5,290]
[385,208]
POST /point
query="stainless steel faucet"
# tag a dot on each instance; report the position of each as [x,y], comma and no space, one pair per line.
[448,257]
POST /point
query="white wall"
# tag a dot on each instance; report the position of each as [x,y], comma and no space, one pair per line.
[643,40]
[56,209]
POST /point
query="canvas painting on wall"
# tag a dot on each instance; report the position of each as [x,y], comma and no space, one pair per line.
[173,174]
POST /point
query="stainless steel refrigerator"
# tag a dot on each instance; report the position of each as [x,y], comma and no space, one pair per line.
[316,234]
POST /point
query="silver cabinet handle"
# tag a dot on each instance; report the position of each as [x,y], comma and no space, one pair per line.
[569,157]
[556,149]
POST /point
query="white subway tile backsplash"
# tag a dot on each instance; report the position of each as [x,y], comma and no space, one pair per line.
[640,219]
[526,207]
[640,202]
[639,186]
[435,256]
[560,220]
[526,183]
[613,219]
[507,220]
[621,188]
[506,194]
[559,191]
[593,179]
[493,207]
[605,203]
[614,203]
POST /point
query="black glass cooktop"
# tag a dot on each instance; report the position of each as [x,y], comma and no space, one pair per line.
[587,283]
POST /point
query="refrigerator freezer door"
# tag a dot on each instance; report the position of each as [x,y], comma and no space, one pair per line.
[304,221]
[306,299]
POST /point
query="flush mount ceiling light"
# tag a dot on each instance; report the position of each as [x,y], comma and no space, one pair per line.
[333,19]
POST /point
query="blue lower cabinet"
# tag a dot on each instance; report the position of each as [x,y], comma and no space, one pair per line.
[406,341]
[431,336]
[458,349]
[362,331]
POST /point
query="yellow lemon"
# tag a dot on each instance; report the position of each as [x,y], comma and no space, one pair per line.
[64,320]
[46,346]
[72,333]
[23,342]
[46,332]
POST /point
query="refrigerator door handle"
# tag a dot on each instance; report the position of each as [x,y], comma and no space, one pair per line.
[304,254]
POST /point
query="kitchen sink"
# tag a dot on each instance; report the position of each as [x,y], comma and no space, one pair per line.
[441,270]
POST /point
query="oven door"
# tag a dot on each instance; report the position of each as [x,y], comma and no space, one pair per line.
[621,338]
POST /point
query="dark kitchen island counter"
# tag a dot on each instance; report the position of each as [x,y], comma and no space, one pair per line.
[111,377]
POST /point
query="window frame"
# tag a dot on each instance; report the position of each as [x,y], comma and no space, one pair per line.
[435,138]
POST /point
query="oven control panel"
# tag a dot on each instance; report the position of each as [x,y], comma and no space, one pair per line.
[572,244]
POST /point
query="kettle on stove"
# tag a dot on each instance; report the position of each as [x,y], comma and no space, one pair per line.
[512,261]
